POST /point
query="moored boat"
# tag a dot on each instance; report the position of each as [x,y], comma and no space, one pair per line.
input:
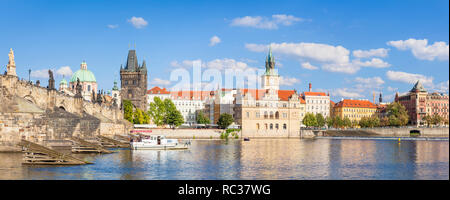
[157,142]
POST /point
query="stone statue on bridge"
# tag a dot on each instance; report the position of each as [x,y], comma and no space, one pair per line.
[51,80]
[78,89]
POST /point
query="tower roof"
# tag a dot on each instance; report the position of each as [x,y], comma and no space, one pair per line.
[132,62]
[418,87]
[83,74]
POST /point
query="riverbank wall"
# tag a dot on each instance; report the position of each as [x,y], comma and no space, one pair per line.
[391,132]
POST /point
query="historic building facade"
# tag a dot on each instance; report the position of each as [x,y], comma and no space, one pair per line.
[317,102]
[419,103]
[87,81]
[354,109]
[268,112]
[133,79]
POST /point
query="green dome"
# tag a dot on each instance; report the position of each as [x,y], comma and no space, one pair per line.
[84,75]
[63,82]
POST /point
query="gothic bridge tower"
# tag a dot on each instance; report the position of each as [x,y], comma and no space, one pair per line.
[133,81]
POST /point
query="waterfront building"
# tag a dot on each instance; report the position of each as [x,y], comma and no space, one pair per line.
[87,81]
[187,102]
[157,92]
[133,79]
[268,111]
[419,103]
[354,109]
[317,102]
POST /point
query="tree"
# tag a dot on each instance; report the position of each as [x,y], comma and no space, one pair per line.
[309,120]
[364,122]
[128,110]
[397,114]
[173,116]
[338,122]
[225,120]
[138,117]
[347,122]
[329,121]
[428,119]
[320,120]
[202,119]
[384,121]
[157,111]
[437,119]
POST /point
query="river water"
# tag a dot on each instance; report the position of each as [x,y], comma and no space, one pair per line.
[255,159]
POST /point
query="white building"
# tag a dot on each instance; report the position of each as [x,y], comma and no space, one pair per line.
[317,102]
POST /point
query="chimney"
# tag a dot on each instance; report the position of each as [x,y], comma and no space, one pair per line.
[310,87]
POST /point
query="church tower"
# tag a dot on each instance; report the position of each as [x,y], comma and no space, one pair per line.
[270,79]
[133,81]
[11,67]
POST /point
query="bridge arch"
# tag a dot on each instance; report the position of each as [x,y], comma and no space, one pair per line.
[30,99]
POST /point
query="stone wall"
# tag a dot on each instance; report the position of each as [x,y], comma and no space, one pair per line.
[391,132]
[37,114]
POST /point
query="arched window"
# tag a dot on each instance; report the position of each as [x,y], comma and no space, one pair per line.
[271,114]
[277,115]
[265,115]
[257,126]
[284,126]
[266,126]
[276,126]
[271,126]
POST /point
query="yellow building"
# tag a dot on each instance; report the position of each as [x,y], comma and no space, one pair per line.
[354,109]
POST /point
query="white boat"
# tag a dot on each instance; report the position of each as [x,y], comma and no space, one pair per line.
[158,142]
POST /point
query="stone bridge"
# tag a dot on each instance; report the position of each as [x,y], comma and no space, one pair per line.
[39,114]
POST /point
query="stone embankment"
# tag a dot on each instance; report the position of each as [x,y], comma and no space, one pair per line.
[188,133]
[390,132]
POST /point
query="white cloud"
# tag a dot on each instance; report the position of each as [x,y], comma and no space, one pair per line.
[113,26]
[332,58]
[226,63]
[409,78]
[369,83]
[343,92]
[442,87]
[64,71]
[265,23]
[288,81]
[391,89]
[138,22]
[158,81]
[214,40]
[381,52]
[421,50]
[42,73]
[375,62]
[307,65]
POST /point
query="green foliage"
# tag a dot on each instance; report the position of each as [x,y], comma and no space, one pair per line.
[397,114]
[309,120]
[369,122]
[139,117]
[128,110]
[157,111]
[384,121]
[202,119]
[437,119]
[347,122]
[329,121]
[320,120]
[224,135]
[225,120]
[173,116]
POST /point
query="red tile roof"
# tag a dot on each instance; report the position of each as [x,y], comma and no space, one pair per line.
[157,90]
[356,104]
[284,95]
[314,93]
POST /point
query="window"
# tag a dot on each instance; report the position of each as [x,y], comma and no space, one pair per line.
[265,115]
[248,114]
[276,126]
[271,126]
[257,126]
[89,88]
[257,114]
[271,114]
[265,126]
[277,115]
[284,126]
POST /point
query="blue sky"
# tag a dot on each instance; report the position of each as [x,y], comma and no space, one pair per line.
[312,41]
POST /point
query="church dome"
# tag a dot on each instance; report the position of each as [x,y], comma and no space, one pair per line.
[63,82]
[83,74]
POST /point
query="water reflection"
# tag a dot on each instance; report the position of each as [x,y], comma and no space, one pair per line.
[255,159]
